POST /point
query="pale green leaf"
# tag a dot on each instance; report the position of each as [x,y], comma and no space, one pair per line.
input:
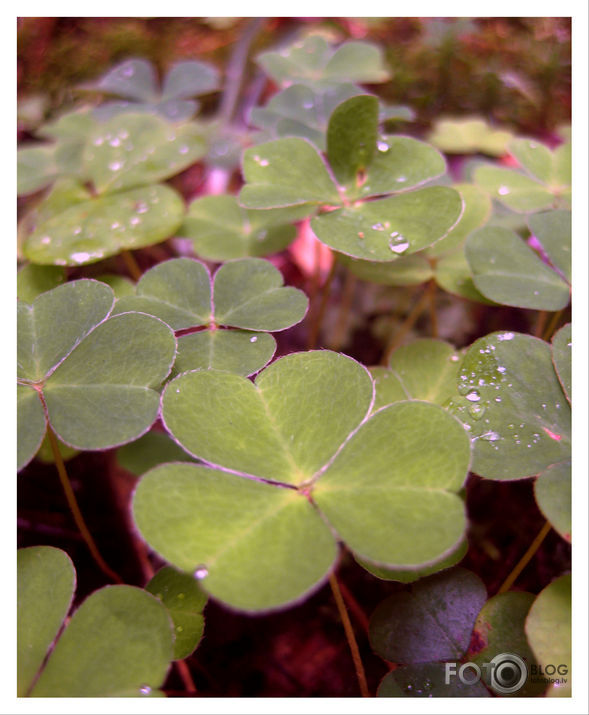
[562,166]
[516,190]
[357,62]
[534,157]
[388,387]
[149,451]
[31,424]
[513,405]
[431,620]
[548,627]
[552,490]
[506,270]
[283,428]
[118,643]
[468,136]
[189,79]
[301,60]
[250,294]
[121,285]
[36,167]
[33,280]
[285,172]
[238,351]
[182,596]
[45,453]
[561,357]
[46,583]
[88,231]
[453,274]
[133,79]
[408,270]
[253,546]
[385,229]
[427,680]
[390,493]
[351,137]
[554,231]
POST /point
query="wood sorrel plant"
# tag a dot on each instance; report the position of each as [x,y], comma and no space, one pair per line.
[258,476]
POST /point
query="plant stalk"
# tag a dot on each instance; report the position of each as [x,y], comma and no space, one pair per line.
[525,559]
[351,638]
[410,321]
[185,674]
[344,311]
[550,329]
[75,509]
[433,316]
[131,263]
[320,314]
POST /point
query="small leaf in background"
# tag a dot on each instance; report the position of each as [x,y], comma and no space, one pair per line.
[409,270]
[469,136]
[552,168]
[221,230]
[386,229]
[506,270]
[561,358]
[96,228]
[427,680]
[554,231]
[133,79]
[121,285]
[252,545]
[238,351]
[426,370]
[552,490]
[182,596]
[45,452]
[513,405]
[285,172]
[32,280]
[431,620]
[517,191]
[189,79]
[452,274]
[118,643]
[250,294]
[149,451]
[46,584]
[36,167]
[390,493]
[499,628]
[548,628]
[31,424]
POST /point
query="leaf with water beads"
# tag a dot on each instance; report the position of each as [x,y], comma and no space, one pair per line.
[513,406]
[453,274]
[89,229]
[552,490]
[94,372]
[507,271]
[427,680]
[561,357]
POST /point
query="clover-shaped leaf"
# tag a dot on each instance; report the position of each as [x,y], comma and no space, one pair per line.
[453,274]
[506,270]
[36,167]
[427,680]
[185,601]
[468,136]
[117,643]
[548,627]
[91,377]
[221,230]
[426,370]
[561,357]
[513,405]
[553,230]
[545,183]
[32,280]
[79,229]
[298,440]
[247,294]
[312,61]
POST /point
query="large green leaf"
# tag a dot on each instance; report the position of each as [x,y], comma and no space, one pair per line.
[135,149]
[561,357]
[513,405]
[548,627]
[554,231]
[431,620]
[90,229]
[98,376]
[118,643]
[46,584]
[385,229]
[552,490]
[238,351]
[185,601]
[351,138]
[498,629]
[390,493]
[426,370]
[220,229]
[506,270]
[427,680]
[285,172]
[284,427]
[252,545]
[469,135]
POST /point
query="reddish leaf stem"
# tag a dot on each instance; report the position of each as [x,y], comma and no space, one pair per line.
[525,559]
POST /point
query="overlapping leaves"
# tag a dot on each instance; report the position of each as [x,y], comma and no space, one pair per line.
[92,376]
[291,453]
[247,294]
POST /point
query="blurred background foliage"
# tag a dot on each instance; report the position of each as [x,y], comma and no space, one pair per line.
[513,71]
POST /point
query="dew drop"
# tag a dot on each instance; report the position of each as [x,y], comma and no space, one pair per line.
[115,165]
[115,142]
[145,690]
[142,207]
[183,149]
[77,230]
[114,225]
[490,436]
[254,339]
[401,179]
[473,396]
[454,358]
[129,71]
[503,190]
[98,141]
[377,227]
[308,105]
[500,368]
[497,399]
[179,629]
[45,240]
[398,247]
[476,411]
[201,572]
[80,257]
[383,146]
[505,336]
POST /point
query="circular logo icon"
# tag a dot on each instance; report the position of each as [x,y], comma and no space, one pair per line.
[508,673]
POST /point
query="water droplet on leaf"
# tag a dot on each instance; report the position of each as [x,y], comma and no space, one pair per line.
[201,572]
[473,396]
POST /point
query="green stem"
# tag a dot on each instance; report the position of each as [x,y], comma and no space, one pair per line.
[433,316]
[552,324]
[525,559]
[351,638]
[131,263]
[320,313]
[540,323]
[409,322]
[344,311]
[75,509]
